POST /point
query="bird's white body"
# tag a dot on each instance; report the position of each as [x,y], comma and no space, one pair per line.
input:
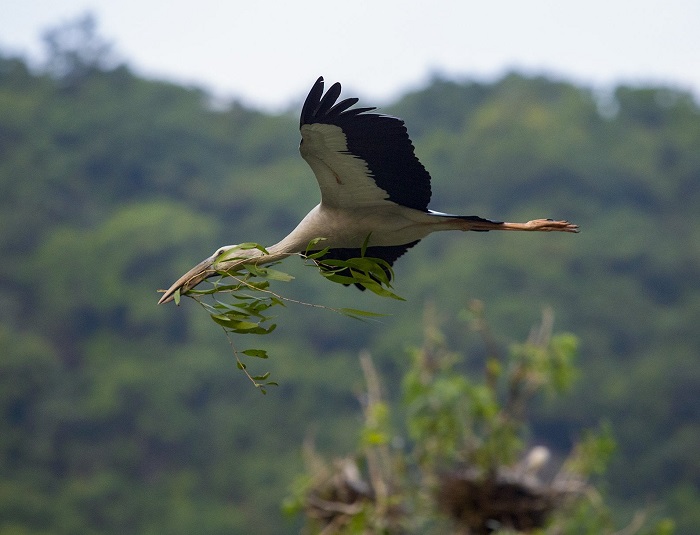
[350,227]
[374,192]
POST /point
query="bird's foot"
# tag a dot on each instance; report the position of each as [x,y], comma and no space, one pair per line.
[549,225]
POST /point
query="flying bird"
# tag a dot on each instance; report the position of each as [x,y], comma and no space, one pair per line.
[374,192]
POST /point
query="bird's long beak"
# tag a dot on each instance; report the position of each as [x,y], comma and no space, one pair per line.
[190,279]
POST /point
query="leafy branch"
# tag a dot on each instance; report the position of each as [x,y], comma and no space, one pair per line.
[248,286]
[373,274]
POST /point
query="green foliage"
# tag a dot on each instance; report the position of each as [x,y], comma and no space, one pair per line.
[480,422]
[593,452]
[466,468]
[248,285]
[373,274]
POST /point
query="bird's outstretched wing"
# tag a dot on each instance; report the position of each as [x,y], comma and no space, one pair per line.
[359,158]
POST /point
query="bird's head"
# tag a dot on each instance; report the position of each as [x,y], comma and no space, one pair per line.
[224,259]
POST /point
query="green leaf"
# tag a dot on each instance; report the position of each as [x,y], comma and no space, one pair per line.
[277,301]
[258,353]
[317,254]
[333,262]
[218,288]
[261,377]
[258,285]
[312,245]
[357,313]
[363,251]
[255,329]
[275,275]
[376,288]
[341,279]
[235,317]
[245,325]
[221,319]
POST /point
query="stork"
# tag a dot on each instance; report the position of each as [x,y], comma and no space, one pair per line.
[374,193]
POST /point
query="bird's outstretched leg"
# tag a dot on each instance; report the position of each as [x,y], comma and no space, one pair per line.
[537,225]
[542,225]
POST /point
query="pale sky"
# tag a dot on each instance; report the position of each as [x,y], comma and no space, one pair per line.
[269,52]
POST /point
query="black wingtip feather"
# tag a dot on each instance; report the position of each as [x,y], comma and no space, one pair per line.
[341,106]
[312,101]
[323,108]
[328,100]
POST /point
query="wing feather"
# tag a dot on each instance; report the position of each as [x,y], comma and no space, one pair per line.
[328,100]
[343,105]
[358,157]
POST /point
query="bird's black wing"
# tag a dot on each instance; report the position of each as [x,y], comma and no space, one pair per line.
[387,253]
[360,158]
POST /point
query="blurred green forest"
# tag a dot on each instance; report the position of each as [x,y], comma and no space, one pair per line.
[120,416]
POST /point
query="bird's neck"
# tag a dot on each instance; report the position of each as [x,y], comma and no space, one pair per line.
[236,256]
[310,228]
